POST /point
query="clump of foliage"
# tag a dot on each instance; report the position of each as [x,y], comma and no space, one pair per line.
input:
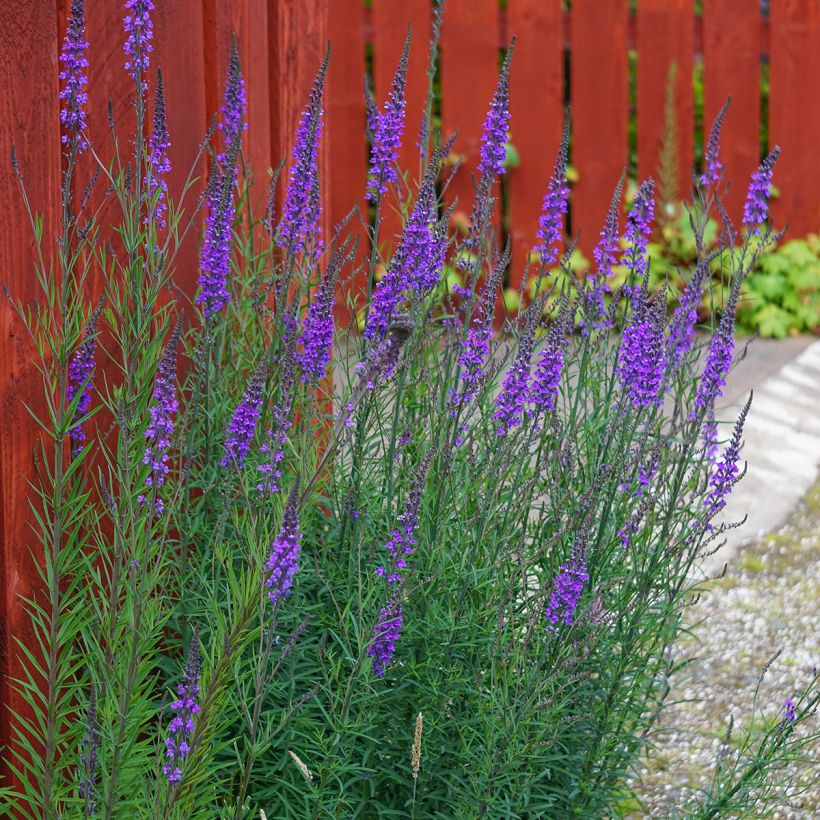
[441,579]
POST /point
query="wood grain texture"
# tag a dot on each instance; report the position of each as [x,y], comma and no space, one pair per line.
[469,75]
[599,111]
[179,52]
[30,117]
[248,21]
[536,116]
[665,34]
[390,21]
[794,113]
[731,66]
[345,134]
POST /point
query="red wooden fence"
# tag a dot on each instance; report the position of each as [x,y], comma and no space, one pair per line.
[281,45]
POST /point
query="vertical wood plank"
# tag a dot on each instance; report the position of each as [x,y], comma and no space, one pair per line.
[599,111]
[29,109]
[179,53]
[248,20]
[731,64]
[469,74]
[536,118]
[298,36]
[665,35]
[345,130]
[390,21]
[794,113]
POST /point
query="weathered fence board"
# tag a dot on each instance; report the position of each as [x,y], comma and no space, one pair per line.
[536,116]
[794,112]
[30,117]
[599,102]
[665,33]
[731,65]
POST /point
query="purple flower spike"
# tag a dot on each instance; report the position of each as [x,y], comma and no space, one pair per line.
[215,257]
[163,408]
[639,228]
[183,724]
[566,592]
[712,166]
[139,32]
[386,128]
[727,472]
[402,539]
[156,183]
[242,428]
[511,401]
[317,331]
[274,447]
[80,372]
[87,769]
[283,562]
[718,360]
[546,377]
[385,634]
[74,94]
[682,326]
[235,105]
[494,136]
[789,714]
[756,207]
[300,216]
[554,209]
[475,344]
[596,317]
[642,357]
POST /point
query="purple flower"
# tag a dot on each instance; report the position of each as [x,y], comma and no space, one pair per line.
[416,263]
[756,207]
[156,182]
[317,330]
[712,166]
[554,208]
[215,257]
[283,562]
[274,447]
[718,360]
[386,128]
[139,32]
[494,136]
[80,372]
[566,591]
[475,343]
[74,94]
[682,326]
[726,473]
[183,724]
[789,715]
[163,407]
[639,228]
[510,403]
[596,317]
[384,357]
[385,634]
[402,539]
[235,104]
[87,769]
[242,428]
[642,357]
[546,376]
[300,215]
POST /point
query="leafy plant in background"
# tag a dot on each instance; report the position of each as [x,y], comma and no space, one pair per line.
[440,576]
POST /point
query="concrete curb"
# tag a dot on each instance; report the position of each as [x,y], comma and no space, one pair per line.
[782,450]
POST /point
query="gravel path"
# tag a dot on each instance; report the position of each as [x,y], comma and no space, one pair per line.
[767,602]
